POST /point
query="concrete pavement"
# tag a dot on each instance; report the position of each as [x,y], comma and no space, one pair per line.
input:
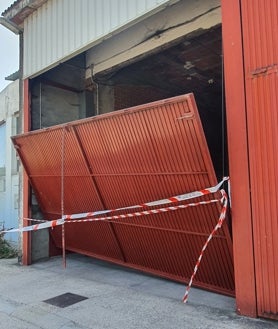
[116,298]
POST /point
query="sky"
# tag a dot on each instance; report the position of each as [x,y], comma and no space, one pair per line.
[9,49]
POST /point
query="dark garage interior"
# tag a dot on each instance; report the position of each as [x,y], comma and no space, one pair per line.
[191,64]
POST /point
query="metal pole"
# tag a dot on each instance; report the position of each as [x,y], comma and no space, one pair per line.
[62,197]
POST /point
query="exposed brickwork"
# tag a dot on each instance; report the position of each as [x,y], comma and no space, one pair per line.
[131,95]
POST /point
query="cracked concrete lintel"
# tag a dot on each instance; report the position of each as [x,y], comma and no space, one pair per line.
[153,34]
[151,45]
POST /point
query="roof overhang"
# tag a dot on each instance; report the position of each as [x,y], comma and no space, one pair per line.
[12,77]
[21,9]
[10,25]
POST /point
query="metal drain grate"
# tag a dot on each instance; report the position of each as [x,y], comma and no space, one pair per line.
[65,300]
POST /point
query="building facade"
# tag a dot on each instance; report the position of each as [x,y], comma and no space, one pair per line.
[81,59]
[9,175]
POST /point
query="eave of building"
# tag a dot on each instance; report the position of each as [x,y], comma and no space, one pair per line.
[21,9]
[12,77]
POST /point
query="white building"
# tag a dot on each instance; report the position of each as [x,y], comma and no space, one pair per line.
[9,177]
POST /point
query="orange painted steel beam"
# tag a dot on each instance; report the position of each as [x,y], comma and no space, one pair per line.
[26,239]
[238,159]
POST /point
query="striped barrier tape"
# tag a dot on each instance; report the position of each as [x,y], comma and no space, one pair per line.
[36,227]
[143,213]
[222,216]
[36,220]
[83,216]
[177,198]
[72,218]
[61,221]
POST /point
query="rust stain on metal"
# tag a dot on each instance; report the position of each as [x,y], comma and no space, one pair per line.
[130,157]
[265,70]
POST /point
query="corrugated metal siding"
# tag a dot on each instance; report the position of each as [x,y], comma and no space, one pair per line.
[60,28]
[125,158]
[260,26]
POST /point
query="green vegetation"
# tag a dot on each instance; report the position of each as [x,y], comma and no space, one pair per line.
[6,250]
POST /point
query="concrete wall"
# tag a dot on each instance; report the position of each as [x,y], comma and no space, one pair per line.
[52,106]
[104,99]
[60,95]
[9,177]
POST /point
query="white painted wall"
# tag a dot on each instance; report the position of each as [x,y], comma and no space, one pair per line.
[9,178]
[60,29]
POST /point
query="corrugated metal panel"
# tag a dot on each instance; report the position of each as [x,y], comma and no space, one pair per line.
[260,25]
[129,157]
[238,149]
[61,28]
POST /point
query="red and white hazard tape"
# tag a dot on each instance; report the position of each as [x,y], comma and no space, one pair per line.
[87,217]
[36,220]
[177,198]
[222,216]
[143,213]
[83,216]
[36,227]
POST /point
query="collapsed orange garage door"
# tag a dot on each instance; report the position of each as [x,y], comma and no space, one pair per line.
[126,158]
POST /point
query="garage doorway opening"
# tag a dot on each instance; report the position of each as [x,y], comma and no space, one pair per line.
[192,64]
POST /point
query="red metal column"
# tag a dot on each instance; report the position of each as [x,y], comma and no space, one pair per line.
[26,239]
[259,30]
[238,159]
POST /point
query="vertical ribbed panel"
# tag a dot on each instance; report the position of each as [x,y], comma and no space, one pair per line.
[44,166]
[260,22]
[260,26]
[126,158]
[60,28]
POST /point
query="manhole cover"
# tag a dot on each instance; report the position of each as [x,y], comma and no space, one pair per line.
[65,300]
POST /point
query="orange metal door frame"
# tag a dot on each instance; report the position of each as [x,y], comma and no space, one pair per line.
[26,238]
[238,159]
